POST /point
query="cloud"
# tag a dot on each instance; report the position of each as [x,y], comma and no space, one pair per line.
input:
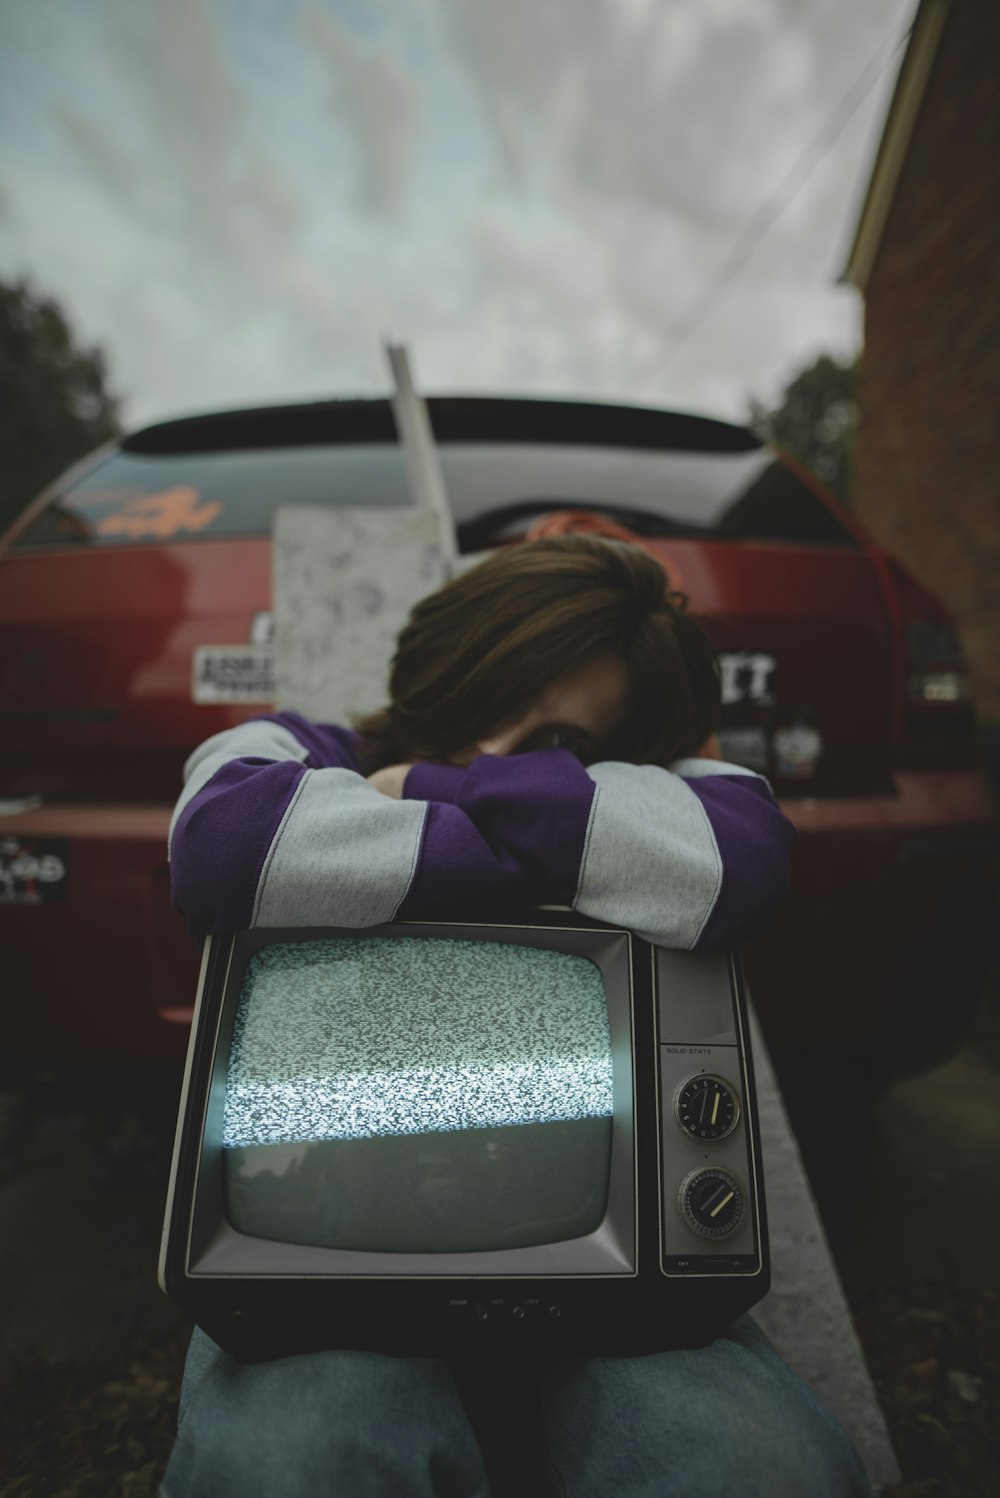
[227,200]
[113,167]
[655,132]
[221,212]
[377,103]
[616,96]
[530,194]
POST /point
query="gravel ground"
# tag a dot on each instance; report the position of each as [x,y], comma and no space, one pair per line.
[91,1353]
[922,1272]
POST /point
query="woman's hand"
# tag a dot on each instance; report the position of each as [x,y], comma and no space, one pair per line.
[389,780]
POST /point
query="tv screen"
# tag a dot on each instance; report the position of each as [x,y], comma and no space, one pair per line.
[418,1095]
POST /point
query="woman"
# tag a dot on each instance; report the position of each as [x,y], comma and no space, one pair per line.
[536,704]
[544,741]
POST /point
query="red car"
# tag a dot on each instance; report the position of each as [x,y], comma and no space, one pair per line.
[134,623]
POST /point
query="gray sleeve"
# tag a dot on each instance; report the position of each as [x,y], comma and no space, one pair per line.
[651,861]
[330,849]
[344,855]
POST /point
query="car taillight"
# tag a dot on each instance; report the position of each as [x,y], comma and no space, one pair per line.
[935,723]
[938,674]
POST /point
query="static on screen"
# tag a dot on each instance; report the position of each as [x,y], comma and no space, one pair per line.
[412,1095]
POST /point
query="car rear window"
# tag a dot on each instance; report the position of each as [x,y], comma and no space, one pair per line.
[141,498]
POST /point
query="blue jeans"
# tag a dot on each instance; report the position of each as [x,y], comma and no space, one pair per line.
[730,1420]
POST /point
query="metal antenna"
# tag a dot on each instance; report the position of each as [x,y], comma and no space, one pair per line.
[423,466]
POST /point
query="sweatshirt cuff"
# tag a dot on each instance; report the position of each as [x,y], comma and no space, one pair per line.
[433,782]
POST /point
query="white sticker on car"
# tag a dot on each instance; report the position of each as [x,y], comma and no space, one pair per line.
[33,869]
[232,673]
[798,749]
[747,676]
[746,746]
[262,628]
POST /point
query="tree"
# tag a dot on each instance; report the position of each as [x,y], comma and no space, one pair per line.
[816,421]
[54,404]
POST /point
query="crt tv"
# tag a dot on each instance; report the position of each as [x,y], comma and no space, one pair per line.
[441,1136]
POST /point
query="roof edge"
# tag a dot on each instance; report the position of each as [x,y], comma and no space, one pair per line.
[904,107]
[453,418]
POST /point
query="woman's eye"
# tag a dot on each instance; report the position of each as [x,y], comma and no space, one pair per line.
[561,740]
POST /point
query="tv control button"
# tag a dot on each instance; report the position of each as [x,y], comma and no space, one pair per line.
[707,1107]
[481,1311]
[555,1312]
[518,1313]
[712,1201]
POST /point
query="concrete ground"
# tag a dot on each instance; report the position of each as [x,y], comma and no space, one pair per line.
[91,1352]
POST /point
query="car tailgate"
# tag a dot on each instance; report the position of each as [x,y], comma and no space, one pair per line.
[806,656]
[97,648]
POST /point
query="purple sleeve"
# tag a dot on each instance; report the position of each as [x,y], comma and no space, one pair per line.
[221,839]
[329,746]
[223,832]
[533,810]
[754,839]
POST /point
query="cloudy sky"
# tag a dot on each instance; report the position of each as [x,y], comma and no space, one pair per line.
[239,198]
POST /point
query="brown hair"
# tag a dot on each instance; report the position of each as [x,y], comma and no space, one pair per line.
[478,650]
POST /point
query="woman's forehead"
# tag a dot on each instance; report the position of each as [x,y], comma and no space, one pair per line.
[595,694]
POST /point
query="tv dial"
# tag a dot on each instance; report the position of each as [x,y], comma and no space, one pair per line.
[707,1107]
[712,1201]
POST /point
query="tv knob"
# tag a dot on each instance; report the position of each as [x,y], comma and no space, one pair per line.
[712,1201]
[707,1107]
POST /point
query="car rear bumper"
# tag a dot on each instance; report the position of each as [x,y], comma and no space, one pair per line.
[105,970]
[885,939]
[877,945]
[959,801]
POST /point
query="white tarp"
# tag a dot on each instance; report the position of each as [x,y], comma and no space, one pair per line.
[345,580]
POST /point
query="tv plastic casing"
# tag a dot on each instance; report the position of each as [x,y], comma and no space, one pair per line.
[643,1281]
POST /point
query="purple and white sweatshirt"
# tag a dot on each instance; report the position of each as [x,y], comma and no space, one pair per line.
[277,826]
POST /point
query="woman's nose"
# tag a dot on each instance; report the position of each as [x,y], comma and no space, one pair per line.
[504,741]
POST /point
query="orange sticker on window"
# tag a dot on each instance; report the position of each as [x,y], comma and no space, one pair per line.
[161,515]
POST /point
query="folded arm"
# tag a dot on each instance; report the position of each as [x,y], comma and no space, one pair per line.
[278,826]
[694,856]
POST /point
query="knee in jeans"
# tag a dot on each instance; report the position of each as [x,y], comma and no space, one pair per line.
[349,1423]
[781,1448]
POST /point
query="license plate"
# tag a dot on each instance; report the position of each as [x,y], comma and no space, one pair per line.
[32,869]
[233,673]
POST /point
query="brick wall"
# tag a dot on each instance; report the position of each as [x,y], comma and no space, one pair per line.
[928,447]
